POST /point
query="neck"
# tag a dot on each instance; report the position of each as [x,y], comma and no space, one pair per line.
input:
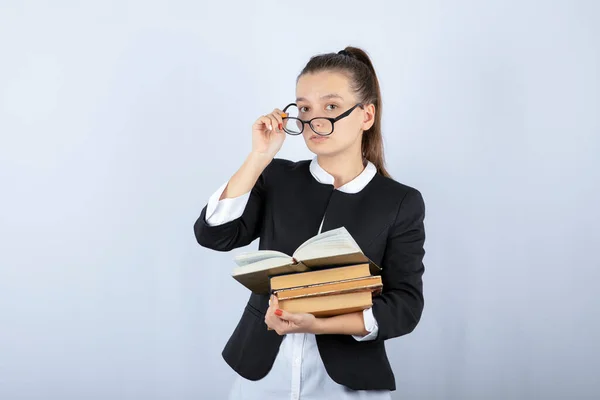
[343,167]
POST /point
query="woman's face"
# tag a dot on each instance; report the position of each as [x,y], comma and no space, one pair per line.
[328,94]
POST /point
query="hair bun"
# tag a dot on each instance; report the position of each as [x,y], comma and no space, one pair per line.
[344,53]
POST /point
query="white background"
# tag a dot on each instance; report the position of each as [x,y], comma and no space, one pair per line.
[119,119]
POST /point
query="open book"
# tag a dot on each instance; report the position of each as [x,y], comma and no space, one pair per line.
[329,249]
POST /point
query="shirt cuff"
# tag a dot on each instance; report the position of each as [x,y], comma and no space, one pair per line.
[219,212]
[370,325]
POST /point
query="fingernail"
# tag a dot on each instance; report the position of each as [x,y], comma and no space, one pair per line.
[270,128]
[278,312]
[280,126]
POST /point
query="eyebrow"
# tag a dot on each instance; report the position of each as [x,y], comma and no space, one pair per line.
[325,97]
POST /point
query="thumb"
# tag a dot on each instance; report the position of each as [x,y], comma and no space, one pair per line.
[288,316]
[274,301]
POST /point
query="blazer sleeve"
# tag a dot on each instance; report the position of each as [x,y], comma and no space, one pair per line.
[399,307]
[240,231]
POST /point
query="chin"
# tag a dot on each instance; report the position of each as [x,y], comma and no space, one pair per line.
[317,147]
[322,151]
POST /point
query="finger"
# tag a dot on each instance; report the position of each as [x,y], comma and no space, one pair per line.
[271,314]
[287,316]
[277,115]
[269,324]
[276,324]
[274,301]
[268,321]
[274,122]
[280,113]
[269,123]
[264,122]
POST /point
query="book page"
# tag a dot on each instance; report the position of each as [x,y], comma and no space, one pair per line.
[327,248]
[334,238]
[322,236]
[260,255]
[260,265]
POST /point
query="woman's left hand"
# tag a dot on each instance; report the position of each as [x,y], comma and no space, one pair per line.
[284,322]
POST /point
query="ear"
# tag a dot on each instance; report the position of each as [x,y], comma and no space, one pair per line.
[369,119]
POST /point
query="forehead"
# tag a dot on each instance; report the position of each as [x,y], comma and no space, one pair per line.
[315,85]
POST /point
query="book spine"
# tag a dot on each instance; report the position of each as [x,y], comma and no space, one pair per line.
[375,288]
[275,291]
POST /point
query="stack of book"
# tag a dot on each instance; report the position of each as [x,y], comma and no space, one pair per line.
[327,275]
[327,292]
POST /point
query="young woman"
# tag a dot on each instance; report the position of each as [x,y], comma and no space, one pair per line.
[338,113]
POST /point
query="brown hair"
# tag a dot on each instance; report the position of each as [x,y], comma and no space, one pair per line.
[357,66]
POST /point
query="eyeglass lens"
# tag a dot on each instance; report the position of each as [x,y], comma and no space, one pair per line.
[293,125]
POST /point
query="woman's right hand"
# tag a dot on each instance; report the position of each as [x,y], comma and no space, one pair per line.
[268,134]
[267,138]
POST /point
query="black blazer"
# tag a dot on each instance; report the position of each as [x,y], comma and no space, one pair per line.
[285,208]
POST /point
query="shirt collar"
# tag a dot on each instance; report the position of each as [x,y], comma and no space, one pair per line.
[354,186]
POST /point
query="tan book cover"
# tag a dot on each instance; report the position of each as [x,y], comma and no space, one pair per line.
[372,283]
[321,276]
[328,306]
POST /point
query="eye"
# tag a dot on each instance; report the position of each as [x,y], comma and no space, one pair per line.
[333,107]
[303,109]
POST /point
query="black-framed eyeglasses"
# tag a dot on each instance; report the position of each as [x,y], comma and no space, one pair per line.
[320,125]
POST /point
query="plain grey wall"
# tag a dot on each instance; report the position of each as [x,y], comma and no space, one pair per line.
[119,120]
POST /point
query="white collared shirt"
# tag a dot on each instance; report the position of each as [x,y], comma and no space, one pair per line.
[298,371]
